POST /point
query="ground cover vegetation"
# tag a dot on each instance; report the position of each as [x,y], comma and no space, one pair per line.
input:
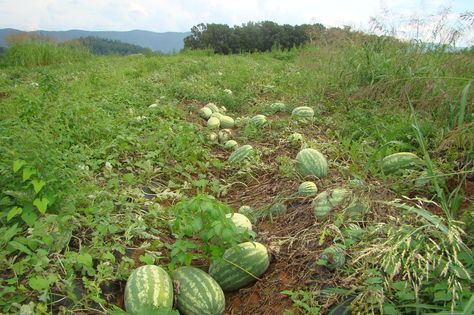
[111,163]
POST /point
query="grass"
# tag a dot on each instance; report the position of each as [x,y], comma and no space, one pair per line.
[83,125]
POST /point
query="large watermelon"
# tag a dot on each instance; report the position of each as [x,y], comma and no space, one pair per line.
[213,123]
[240,154]
[303,113]
[197,293]
[310,162]
[227,121]
[148,286]
[240,265]
[400,161]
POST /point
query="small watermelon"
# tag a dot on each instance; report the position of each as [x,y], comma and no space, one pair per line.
[333,257]
[197,293]
[295,138]
[241,222]
[230,144]
[258,120]
[213,123]
[205,112]
[277,107]
[224,135]
[213,107]
[240,265]
[148,286]
[227,121]
[307,189]
[302,113]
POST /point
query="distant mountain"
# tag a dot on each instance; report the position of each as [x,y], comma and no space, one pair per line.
[165,42]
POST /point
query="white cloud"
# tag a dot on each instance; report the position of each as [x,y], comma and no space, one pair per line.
[181,15]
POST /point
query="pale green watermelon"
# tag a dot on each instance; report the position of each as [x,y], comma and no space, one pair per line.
[197,292]
[258,120]
[213,123]
[302,113]
[213,107]
[241,222]
[328,200]
[148,286]
[227,121]
[224,135]
[230,144]
[205,112]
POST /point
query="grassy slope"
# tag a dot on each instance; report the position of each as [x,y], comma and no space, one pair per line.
[86,128]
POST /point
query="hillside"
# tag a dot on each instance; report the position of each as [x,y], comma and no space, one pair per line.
[109,163]
[166,42]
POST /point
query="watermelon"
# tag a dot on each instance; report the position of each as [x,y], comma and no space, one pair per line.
[205,112]
[277,107]
[213,107]
[400,161]
[258,120]
[278,208]
[310,162]
[217,115]
[148,286]
[295,138]
[230,144]
[212,137]
[224,135]
[328,200]
[302,113]
[307,189]
[333,257]
[240,266]
[227,121]
[197,293]
[240,154]
[241,222]
[213,123]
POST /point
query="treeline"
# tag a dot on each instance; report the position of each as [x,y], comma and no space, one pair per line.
[103,46]
[249,37]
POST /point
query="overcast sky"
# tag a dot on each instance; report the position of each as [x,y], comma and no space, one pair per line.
[181,15]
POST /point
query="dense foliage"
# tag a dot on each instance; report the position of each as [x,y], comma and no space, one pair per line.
[104,46]
[249,37]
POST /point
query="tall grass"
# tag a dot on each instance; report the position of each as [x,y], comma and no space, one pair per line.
[43,53]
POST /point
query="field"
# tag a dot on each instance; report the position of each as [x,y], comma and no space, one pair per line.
[94,180]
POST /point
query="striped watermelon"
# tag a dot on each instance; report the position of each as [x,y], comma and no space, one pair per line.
[333,257]
[217,115]
[241,222]
[240,154]
[258,120]
[277,107]
[227,121]
[213,107]
[205,112]
[148,286]
[213,123]
[328,200]
[310,162]
[197,292]
[231,144]
[240,266]
[303,113]
[400,161]
[307,189]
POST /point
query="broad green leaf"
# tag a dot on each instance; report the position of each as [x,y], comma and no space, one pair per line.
[84,259]
[18,164]
[19,246]
[38,184]
[7,235]
[13,213]
[29,216]
[28,172]
[41,204]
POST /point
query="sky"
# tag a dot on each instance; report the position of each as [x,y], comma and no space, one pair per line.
[181,15]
